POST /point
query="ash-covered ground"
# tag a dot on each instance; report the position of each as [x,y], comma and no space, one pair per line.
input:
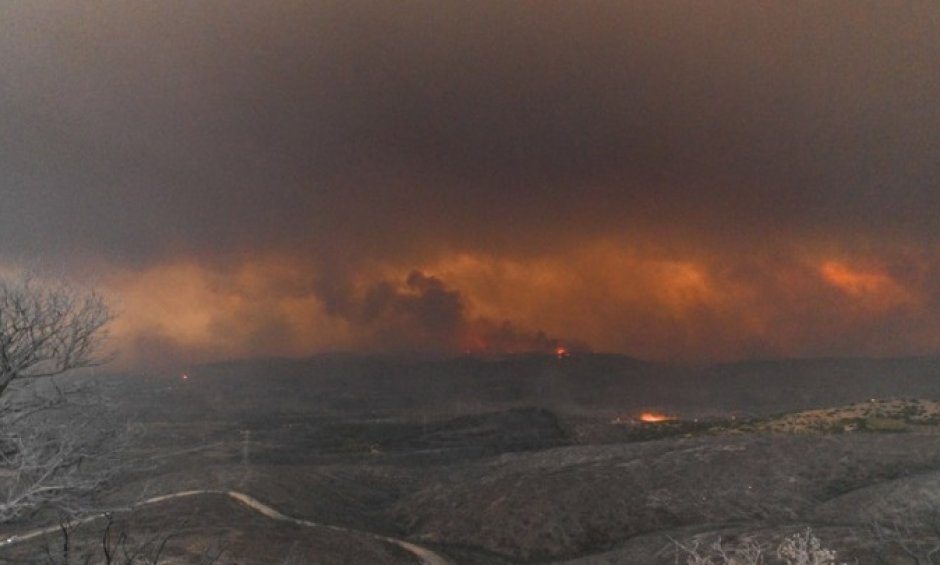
[523,460]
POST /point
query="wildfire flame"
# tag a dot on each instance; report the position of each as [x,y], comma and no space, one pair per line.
[561,352]
[655,417]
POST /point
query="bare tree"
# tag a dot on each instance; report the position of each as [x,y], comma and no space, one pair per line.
[56,453]
[48,329]
[118,544]
[54,447]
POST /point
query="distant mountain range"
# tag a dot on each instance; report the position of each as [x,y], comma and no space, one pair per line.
[588,383]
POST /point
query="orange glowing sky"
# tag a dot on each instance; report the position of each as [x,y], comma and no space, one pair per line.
[599,296]
[691,182]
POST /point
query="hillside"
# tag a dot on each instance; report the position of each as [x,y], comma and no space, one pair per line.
[533,459]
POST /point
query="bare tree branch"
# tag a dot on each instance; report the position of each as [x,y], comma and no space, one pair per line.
[54,447]
[54,453]
[48,329]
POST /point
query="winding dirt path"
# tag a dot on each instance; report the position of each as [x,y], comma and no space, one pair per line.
[425,555]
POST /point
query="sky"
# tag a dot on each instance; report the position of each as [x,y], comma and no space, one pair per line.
[688,181]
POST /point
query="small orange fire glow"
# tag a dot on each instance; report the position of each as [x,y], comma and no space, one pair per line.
[561,352]
[184,376]
[655,417]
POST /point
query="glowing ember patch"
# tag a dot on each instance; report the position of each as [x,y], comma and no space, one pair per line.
[184,376]
[654,417]
[561,352]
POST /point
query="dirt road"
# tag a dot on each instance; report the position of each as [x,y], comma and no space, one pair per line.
[424,555]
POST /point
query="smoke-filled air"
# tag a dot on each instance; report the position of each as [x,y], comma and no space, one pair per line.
[676,181]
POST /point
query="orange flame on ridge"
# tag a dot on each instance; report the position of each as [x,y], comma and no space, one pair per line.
[655,417]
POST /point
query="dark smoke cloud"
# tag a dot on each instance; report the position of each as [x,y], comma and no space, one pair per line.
[422,314]
[344,134]
[368,129]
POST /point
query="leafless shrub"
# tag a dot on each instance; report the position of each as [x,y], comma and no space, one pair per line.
[913,532]
[749,552]
[802,548]
[118,545]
